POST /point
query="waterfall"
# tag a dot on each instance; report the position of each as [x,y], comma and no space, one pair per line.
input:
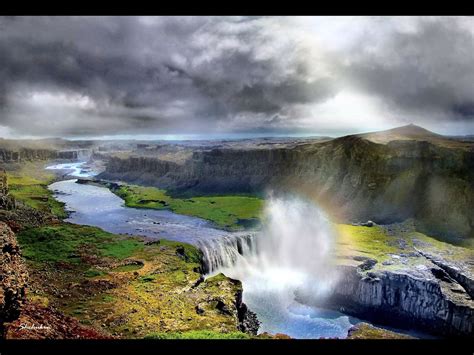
[295,246]
[225,251]
[291,255]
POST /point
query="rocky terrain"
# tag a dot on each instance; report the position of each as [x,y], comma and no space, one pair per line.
[129,287]
[385,277]
[86,283]
[13,278]
[413,184]
[14,151]
[386,177]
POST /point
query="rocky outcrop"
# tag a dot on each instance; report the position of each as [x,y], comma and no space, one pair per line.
[248,321]
[7,202]
[367,331]
[23,216]
[225,295]
[8,156]
[428,300]
[353,178]
[462,275]
[13,277]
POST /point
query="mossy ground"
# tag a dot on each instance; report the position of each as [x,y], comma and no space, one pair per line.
[367,331]
[28,183]
[198,334]
[66,242]
[231,212]
[393,247]
[371,242]
[126,287]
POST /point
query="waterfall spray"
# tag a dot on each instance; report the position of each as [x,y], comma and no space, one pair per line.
[292,253]
[293,250]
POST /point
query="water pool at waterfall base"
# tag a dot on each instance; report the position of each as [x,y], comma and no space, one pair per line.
[292,252]
[273,300]
[298,321]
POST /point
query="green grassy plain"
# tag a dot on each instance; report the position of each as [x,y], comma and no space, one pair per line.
[230,212]
[135,289]
[198,334]
[65,242]
[29,185]
[376,243]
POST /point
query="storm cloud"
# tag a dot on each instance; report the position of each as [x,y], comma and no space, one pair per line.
[92,76]
[426,70]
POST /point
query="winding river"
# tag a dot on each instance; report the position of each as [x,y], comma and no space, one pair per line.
[269,292]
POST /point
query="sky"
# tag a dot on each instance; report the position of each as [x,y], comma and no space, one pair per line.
[79,77]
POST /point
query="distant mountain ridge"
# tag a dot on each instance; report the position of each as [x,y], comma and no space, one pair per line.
[414,133]
[389,176]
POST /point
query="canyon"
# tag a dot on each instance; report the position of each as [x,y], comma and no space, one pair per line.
[355,178]
[410,266]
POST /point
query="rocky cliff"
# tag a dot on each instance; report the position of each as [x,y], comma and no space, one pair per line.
[25,154]
[392,297]
[13,277]
[14,151]
[16,214]
[425,298]
[354,178]
[7,202]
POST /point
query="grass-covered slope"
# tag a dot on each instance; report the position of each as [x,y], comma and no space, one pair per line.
[65,242]
[367,331]
[128,287]
[395,246]
[28,183]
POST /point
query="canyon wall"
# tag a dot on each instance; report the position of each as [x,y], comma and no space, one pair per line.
[434,303]
[13,277]
[353,178]
[14,156]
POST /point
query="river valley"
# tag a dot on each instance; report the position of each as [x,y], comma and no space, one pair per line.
[272,299]
[127,248]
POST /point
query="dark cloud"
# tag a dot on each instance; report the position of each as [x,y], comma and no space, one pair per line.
[143,74]
[126,75]
[425,72]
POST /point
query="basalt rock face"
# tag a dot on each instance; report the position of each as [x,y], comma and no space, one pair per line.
[434,303]
[27,154]
[353,178]
[142,169]
[248,321]
[13,278]
[462,275]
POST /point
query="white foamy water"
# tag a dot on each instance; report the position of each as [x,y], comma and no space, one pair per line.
[293,252]
[76,169]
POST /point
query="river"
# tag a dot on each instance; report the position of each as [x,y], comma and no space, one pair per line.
[269,286]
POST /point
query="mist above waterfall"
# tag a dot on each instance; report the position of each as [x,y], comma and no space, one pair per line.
[295,244]
[297,239]
[293,252]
